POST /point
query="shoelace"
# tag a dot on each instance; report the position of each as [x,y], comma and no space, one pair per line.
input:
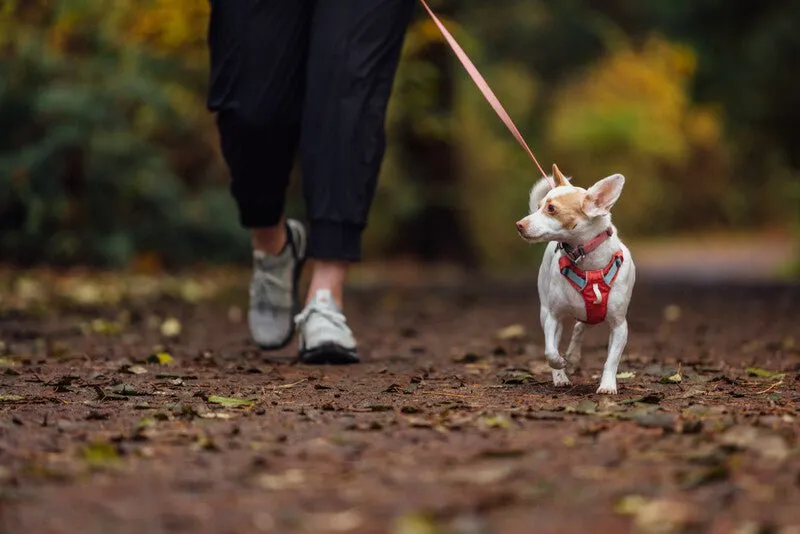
[264,282]
[326,312]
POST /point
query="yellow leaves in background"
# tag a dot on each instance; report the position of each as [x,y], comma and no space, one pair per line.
[630,100]
[703,127]
[632,112]
[170,25]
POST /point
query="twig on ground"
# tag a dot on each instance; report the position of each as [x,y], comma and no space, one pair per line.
[773,386]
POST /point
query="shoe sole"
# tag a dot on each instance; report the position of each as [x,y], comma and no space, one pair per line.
[329,354]
[298,270]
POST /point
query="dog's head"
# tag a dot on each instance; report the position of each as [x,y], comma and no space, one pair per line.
[569,213]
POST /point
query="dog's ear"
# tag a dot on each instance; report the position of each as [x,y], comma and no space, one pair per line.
[602,195]
[538,192]
[558,177]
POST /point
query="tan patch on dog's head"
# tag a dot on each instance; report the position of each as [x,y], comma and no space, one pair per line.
[566,208]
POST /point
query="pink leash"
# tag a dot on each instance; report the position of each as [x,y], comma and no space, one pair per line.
[485,89]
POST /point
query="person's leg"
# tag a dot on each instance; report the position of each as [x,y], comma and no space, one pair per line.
[353,56]
[258,52]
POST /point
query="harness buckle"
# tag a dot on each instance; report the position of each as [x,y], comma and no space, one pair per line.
[580,255]
[575,255]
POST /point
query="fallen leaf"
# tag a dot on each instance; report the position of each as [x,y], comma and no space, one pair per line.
[626,375]
[171,327]
[134,369]
[293,478]
[629,505]
[656,420]
[664,516]
[205,443]
[469,357]
[126,390]
[650,398]
[216,415]
[502,453]
[7,362]
[674,379]
[763,373]
[100,454]
[495,421]
[583,407]
[161,358]
[411,388]
[514,331]
[481,476]
[517,376]
[229,402]
[11,398]
[101,326]
[415,523]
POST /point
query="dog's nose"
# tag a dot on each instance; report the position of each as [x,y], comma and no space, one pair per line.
[520,227]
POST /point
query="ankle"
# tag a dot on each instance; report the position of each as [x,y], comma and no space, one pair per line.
[329,275]
[270,240]
[337,295]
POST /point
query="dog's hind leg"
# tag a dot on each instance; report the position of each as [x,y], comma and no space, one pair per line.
[573,354]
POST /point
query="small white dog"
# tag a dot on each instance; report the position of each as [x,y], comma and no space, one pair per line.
[586,275]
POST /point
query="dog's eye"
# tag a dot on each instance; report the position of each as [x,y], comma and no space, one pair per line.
[551,208]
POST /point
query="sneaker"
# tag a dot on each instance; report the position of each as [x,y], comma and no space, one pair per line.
[273,290]
[324,334]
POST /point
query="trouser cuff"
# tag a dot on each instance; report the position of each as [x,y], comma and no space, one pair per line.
[335,241]
[260,214]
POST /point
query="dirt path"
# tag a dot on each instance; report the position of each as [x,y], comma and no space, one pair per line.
[444,429]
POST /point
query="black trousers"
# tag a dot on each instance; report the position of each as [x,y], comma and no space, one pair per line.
[314,75]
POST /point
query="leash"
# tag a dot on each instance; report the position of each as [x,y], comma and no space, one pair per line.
[485,89]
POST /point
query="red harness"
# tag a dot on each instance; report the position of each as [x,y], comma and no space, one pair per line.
[594,286]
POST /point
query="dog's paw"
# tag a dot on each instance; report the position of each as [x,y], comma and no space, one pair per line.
[607,389]
[560,379]
[556,362]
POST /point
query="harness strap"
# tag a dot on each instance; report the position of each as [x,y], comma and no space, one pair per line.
[576,254]
[593,286]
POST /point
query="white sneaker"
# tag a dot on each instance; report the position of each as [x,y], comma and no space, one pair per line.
[324,334]
[273,290]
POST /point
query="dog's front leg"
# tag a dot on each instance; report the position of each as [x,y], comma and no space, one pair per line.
[552,335]
[616,343]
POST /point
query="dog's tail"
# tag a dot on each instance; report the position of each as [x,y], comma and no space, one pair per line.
[539,191]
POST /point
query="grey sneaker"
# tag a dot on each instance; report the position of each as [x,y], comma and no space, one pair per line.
[273,290]
[324,334]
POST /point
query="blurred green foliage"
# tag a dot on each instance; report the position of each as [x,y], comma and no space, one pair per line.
[108,156]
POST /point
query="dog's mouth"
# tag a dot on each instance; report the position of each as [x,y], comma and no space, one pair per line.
[536,238]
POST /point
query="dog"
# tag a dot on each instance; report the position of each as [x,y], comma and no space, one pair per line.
[587,274]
